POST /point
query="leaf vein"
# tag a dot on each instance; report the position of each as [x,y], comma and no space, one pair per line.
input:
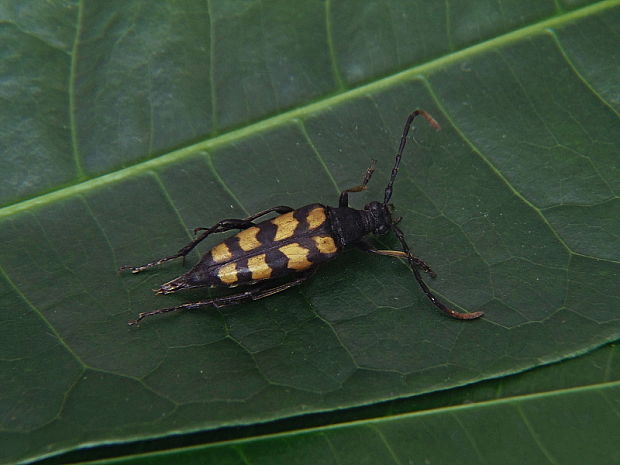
[535,437]
[252,128]
[331,47]
[36,310]
[502,178]
[72,83]
[572,66]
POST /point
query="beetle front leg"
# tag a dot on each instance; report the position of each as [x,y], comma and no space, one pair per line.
[344,195]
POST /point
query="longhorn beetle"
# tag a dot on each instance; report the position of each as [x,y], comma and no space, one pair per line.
[293,244]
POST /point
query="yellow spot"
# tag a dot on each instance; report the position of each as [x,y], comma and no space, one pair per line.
[316,217]
[228,273]
[297,256]
[325,244]
[247,238]
[286,225]
[259,267]
[221,253]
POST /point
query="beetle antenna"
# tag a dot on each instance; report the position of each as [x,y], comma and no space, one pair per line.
[403,142]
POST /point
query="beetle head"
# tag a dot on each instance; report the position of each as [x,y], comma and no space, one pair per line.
[380,217]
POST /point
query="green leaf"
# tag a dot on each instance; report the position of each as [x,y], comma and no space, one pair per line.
[597,369]
[564,426]
[130,123]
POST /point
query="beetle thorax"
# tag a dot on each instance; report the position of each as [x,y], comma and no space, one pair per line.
[350,225]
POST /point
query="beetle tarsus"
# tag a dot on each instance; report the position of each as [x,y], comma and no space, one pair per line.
[135,322]
[424,266]
[133,269]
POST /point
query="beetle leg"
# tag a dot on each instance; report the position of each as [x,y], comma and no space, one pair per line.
[344,195]
[254,293]
[367,247]
[279,209]
[222,226]
[427,291]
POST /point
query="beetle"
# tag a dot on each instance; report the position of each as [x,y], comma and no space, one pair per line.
[294,244]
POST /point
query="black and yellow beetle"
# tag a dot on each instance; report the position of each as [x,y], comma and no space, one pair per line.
[293,244]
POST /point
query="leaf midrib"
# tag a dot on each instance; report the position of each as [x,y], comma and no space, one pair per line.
[298,112]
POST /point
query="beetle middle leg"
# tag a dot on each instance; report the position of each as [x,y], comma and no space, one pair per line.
[219,227]
[279,209]
[367,247]
[344,195]
[254,293]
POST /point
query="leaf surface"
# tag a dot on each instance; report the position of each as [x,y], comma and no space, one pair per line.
[561,427]
[132,123]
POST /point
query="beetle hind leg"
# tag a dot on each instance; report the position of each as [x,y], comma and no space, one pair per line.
[222,226]
[255,293]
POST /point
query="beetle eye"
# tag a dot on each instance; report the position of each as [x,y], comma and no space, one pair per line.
[383,229]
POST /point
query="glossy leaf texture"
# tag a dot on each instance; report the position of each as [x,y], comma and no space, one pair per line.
[509,431]
[536,417]
[130,123]
[591,377]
